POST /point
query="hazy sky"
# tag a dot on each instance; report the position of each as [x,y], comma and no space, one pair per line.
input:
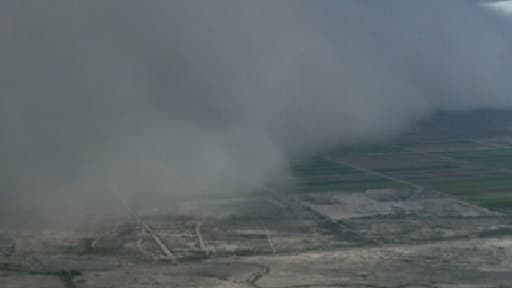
[200,96]
[504,7]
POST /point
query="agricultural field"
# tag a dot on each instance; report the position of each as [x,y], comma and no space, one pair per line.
[474,165]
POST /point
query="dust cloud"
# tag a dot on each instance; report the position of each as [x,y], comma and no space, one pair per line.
[195,96]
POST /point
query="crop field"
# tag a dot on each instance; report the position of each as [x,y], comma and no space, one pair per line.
[492,158]
[324,175]
[473,165]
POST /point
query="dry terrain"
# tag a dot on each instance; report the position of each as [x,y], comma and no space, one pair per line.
[428,210]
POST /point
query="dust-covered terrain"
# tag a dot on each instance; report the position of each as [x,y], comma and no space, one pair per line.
[415,212]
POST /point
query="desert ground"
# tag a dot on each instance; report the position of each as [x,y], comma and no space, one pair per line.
[429,209]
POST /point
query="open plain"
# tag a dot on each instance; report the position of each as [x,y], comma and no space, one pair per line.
[429,210]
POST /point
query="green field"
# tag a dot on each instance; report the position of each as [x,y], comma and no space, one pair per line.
[320,175]
[460,163]
[492,158]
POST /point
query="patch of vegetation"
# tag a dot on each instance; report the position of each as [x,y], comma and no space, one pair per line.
[497,158]
[370,149]
[503,202]
[504,231]
[245,252]
[465,185]
[67,277]
[426,168]
[382,184]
